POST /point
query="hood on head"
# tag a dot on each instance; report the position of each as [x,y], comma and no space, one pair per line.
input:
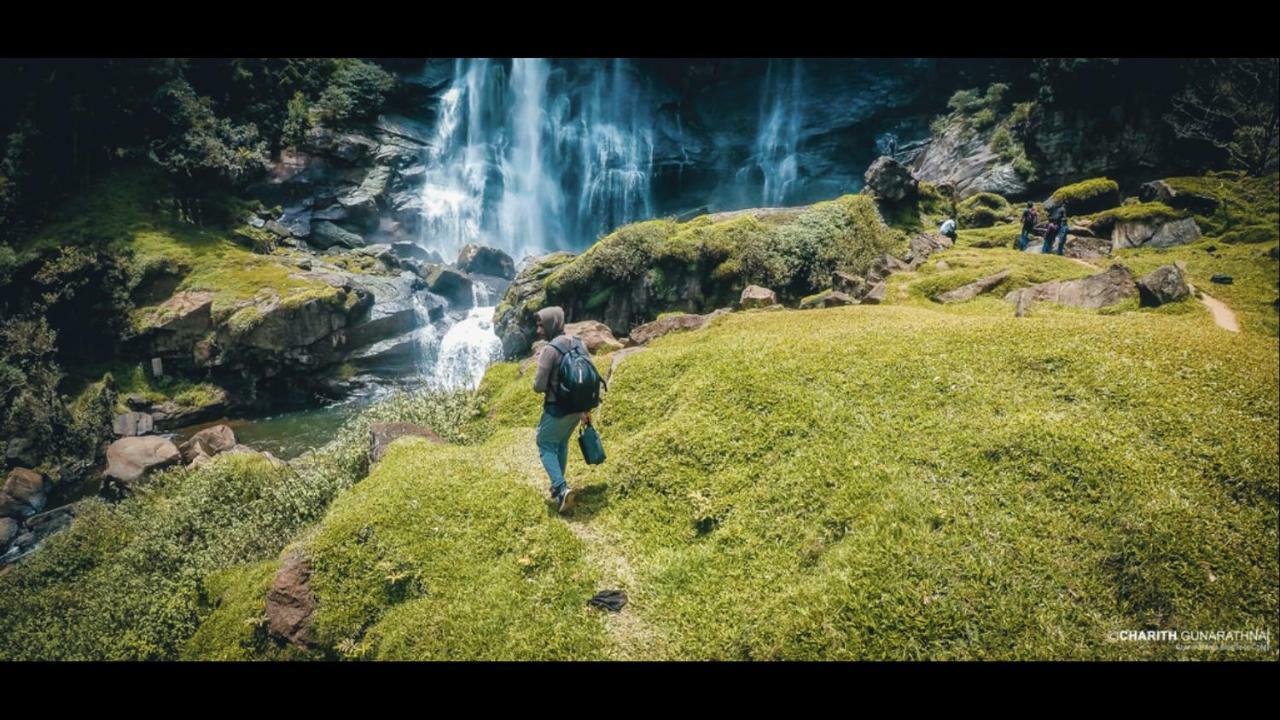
[552,321]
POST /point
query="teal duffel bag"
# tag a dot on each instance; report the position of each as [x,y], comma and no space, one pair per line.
[592,448]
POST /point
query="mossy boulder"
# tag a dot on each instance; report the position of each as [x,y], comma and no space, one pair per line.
[643,270]
[1085,197]
[984,210]
[513,319]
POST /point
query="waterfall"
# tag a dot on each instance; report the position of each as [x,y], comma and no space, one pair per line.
[530,158]
[466,350]
[778,134]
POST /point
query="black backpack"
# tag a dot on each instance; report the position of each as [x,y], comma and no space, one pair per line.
[577,382]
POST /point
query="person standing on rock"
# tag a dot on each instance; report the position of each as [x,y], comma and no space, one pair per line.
[1050,233]
[556,427]
[1029,220]
[1060,219]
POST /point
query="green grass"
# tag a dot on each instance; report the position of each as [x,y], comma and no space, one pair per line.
[897,481]
[121,211]
[1246,205]
[1256,277]
[133,379]
[447,553]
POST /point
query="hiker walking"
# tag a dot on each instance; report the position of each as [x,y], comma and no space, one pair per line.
[1029,220]
[571,387]
[949,229]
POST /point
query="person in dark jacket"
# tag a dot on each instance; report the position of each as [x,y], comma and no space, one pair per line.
[555,428]
[1029,220]
[1050,233]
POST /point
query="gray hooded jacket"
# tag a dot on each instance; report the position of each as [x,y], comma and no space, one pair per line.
[549,359]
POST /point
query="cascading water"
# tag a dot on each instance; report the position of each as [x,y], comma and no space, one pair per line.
[529,158]
[775,156]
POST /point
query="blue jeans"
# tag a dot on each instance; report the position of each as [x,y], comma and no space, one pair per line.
[553,445]
[1022,241]
[1062,240]
[1047,248]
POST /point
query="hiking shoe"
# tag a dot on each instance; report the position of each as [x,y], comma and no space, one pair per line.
[565,500]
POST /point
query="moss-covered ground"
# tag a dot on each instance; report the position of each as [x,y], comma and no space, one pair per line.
[897,481]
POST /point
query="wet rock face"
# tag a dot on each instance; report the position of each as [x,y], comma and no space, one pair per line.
[477,259]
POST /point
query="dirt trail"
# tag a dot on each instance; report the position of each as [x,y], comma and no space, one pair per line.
[630,636]
[1222,315]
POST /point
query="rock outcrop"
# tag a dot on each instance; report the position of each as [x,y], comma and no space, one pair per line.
[596,336]
[754,296]
[291,602]
[1165,284]
[128,459]
[383,434]
[973,289]
[1096,291]
[891,180]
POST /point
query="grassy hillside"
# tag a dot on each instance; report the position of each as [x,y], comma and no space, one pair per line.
[898,481]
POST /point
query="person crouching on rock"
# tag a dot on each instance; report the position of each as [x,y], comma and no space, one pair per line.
[949,229]
[556,427]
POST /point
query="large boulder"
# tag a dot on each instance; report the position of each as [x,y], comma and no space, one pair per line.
[453,286]
[130,458]
[399,351]
[973,289]
[291,602]
[826,299]
[1161,191]
[1165,284]
[132,424]
[876,294]
[642,334]
[1086,248]
[325,235]
[23,494]
[176,324]
[413,251]
[754,296]
[1176,232]
[209,441]
[965,160]
[392,312]
[890,180]
[1154,233]
[596,336]
[1096,291]
[486,261]
[924,245]
[382,434]
[849,284]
